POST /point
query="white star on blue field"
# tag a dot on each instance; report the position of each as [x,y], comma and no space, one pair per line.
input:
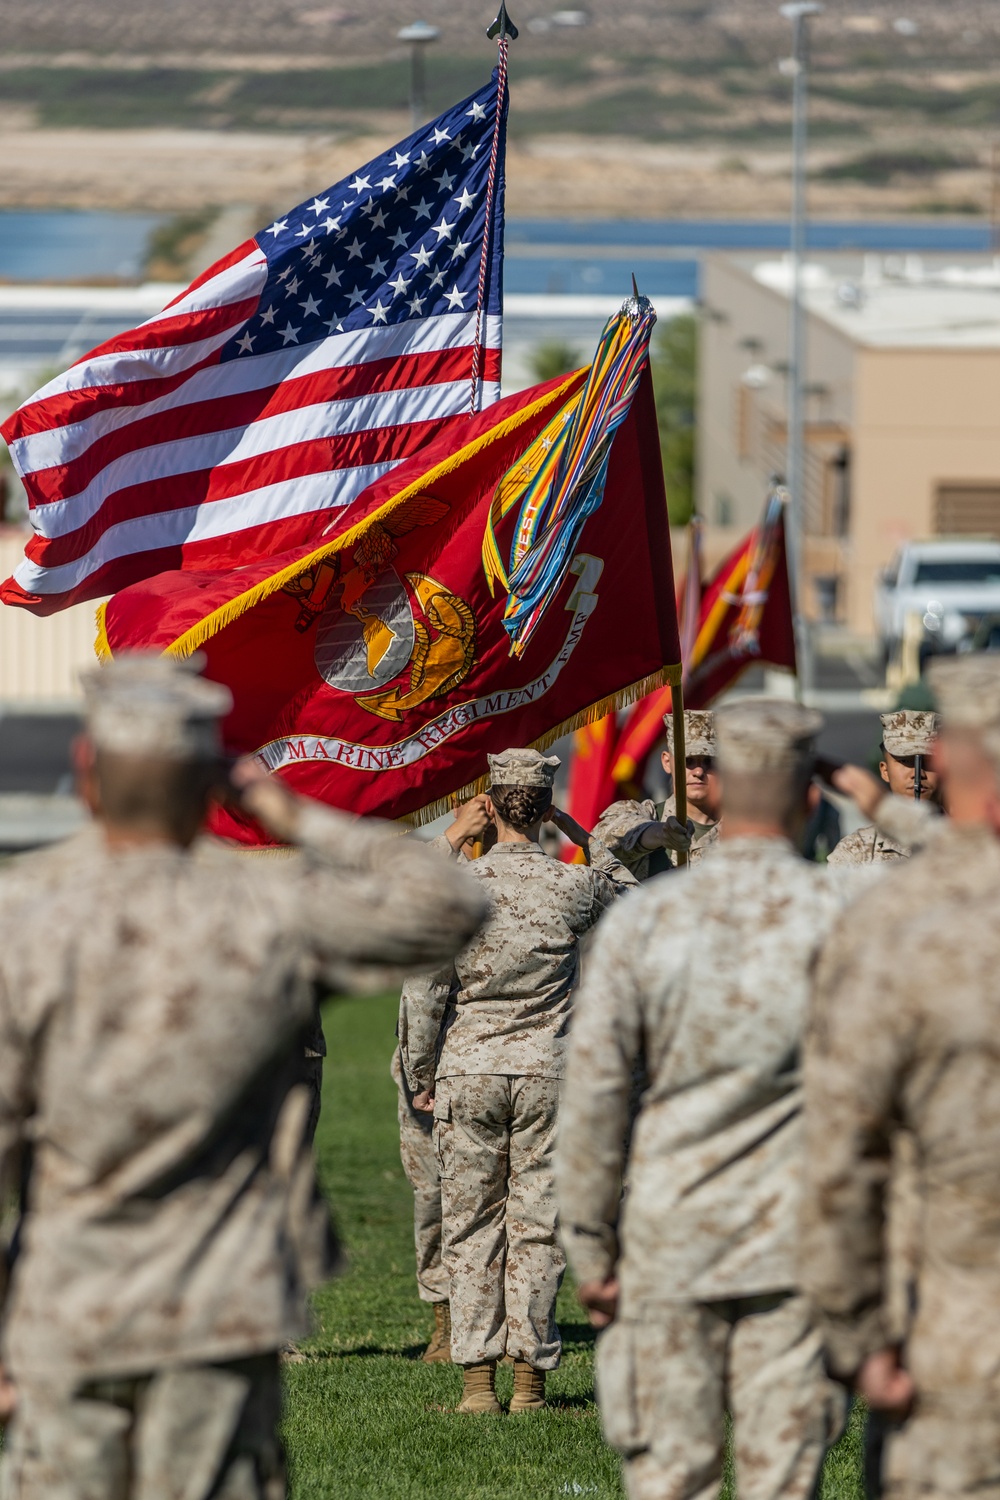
[401,239]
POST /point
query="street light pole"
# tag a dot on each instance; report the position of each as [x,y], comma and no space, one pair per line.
[795,66]
[419,34]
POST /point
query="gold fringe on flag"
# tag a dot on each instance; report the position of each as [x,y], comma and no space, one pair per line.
[102,646]
[624,698]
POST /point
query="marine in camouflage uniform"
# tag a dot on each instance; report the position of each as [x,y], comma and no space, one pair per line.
[420,1165]
[904,1036]
[708,976]
[906,733]
[153,1011]
[314,1041]
[503,1010]
[646,836]
[416,1134]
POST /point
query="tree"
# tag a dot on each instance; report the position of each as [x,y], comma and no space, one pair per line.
[554,358]
[674,365]
[673,361]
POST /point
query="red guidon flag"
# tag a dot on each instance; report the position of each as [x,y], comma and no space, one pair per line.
[372,669]
[591,786]
[743,618]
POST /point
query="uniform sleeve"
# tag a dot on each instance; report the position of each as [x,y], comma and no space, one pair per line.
[600,858]
[912,824]
[377,906]
[17,1054]
[440,845]
[851,850]
[621,826]
[605,1042]
[422,1009]
[854,1057]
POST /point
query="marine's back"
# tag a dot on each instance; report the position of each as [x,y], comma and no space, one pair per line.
[153,1006]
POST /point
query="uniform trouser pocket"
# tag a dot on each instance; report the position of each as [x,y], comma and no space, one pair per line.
[660,1386]
[664,1384]
[949,1446]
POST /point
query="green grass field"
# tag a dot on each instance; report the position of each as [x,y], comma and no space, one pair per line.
[364,1416]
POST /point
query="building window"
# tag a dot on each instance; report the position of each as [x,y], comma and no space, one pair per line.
[723,509]
[746,400]
[837,492]
[964,509]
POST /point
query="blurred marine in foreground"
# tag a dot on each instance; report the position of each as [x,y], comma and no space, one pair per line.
[904,1038]
[153,1007]
[709,979]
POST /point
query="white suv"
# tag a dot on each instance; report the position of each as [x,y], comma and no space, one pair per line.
[951,583]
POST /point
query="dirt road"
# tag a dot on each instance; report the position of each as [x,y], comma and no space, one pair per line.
[173,170]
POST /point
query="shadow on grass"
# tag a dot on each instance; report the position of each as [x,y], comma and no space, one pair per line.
[360,1351]
[577,1333]
[576,1337]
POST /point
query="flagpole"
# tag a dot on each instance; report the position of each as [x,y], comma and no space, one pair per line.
[504,30]
[679,762]
[798,12]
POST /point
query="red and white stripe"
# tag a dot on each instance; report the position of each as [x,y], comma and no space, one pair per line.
[150,453]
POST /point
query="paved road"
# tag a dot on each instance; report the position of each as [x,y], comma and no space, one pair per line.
[35,752]
[35,749]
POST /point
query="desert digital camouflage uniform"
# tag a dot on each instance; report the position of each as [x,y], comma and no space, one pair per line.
[420,1164]
[420,1161]
[866,846]
[709,977]
[314,1040]
[153,1009]
[504,1008]
[904,1037]
[904,732]
[622,825]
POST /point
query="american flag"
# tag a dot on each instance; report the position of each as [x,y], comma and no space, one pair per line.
[286,379]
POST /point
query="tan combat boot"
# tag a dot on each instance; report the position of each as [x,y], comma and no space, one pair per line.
[438,1351]
[479,1390]
[529,1387]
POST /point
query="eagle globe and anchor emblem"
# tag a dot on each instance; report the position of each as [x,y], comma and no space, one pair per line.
[389,640]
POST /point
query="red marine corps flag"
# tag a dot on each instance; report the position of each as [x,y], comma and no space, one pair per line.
[510,581]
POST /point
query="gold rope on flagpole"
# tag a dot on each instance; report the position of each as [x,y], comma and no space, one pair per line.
[679,762]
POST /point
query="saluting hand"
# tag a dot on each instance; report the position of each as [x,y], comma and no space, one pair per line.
[568,826]
[265,797]
[471,821]
[861,786]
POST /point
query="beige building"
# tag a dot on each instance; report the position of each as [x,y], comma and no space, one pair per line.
[902,406]
[41,657]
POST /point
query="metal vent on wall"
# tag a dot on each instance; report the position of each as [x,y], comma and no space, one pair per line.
[967,510]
